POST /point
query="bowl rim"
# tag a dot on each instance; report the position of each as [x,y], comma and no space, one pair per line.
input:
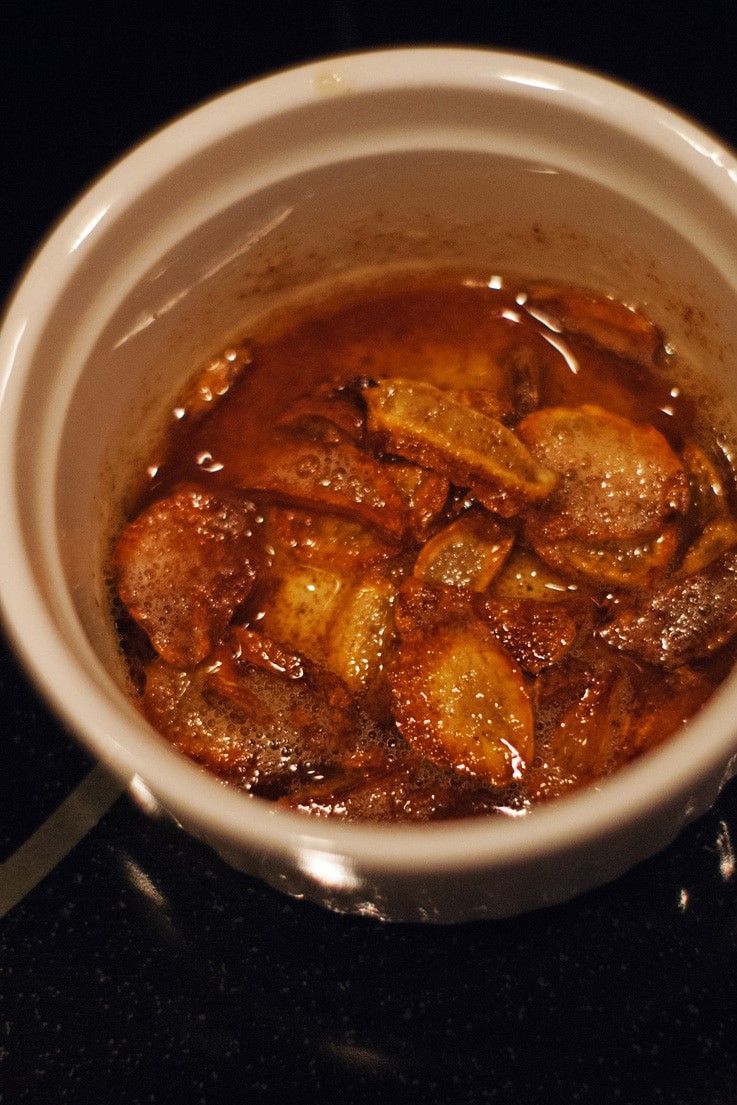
[665,775]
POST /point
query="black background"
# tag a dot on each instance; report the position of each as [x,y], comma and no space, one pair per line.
[142,969]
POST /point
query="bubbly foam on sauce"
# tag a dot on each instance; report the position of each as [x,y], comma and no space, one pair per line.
[312,745]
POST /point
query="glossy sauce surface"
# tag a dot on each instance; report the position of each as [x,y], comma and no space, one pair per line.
[437,535]
[456,332]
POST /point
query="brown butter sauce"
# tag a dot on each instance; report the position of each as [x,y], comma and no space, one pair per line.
[445,328]
[453,332]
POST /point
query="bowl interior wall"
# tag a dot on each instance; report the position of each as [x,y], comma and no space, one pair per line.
[279,213]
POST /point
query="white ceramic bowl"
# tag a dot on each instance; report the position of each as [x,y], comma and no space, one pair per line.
[386,158]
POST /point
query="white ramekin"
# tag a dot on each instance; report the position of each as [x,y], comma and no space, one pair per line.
[396,157]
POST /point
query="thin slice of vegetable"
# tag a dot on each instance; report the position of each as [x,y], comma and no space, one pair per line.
[423,492]
[482,400]
[524,575]
[348,795]
[320,475]
[247,721]
[605,320]
[328,406]
[664,706]
[467,362]
[297,602]
[597,715]
[460,700]
[251,647]
[360,639]
[613,563]
[711,514]
[421,607]
[537,634]
[580,721]
[433,428]
[327,540]
[717,536]
[681,620]
[469,552]
[618,479]
[183,566]
[707,481]
[236,739]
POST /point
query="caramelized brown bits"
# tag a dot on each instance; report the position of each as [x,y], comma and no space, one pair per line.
[250,723]
[406,788]
[484,567]
[420,607]
[182,567]
[580,705]
[250,647]
[523,367]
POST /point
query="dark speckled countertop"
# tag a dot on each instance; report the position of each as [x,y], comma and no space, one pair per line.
[135,967]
